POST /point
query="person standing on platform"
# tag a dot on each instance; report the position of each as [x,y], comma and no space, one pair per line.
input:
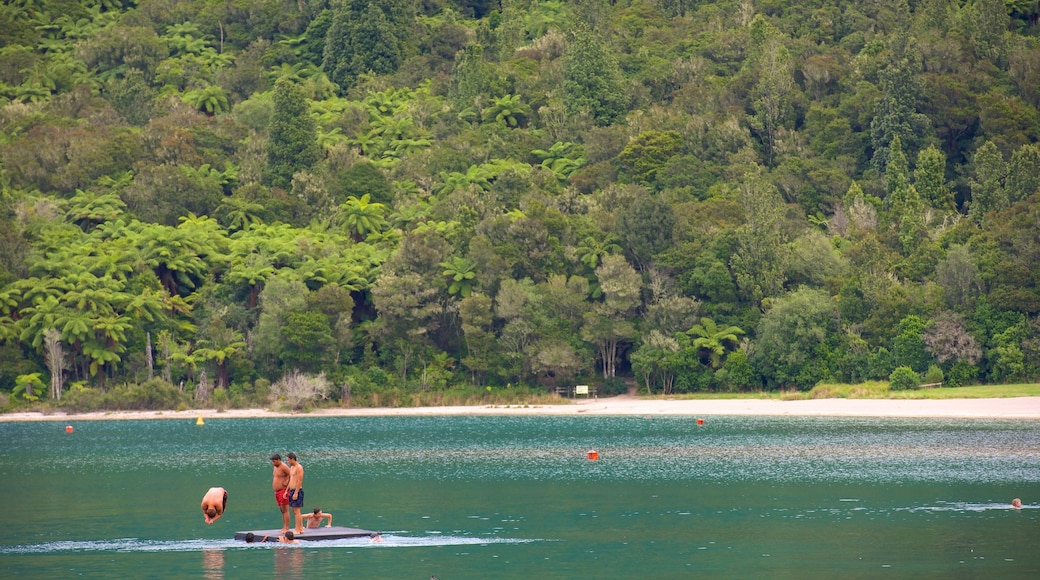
[280,484]
[296,491]
[214,503]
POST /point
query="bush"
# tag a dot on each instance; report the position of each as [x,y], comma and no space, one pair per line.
[151,395]
[298,390]
[904,378]
[80,399]
[611,387]
[961,374]
[934,375]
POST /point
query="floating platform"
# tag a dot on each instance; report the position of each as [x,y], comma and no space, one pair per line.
[322,533]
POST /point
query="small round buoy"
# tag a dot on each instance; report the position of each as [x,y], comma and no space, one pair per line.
[700,421]
[648,416]
[592,455]
[69,429]
[199,421]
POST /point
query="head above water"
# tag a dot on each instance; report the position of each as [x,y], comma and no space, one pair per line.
[289,535]
[317,511]
[250,538]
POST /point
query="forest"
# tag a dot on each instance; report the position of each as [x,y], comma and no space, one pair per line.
[378,202]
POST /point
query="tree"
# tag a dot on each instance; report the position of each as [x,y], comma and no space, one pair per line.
[773,91]
[471,77]
[366,37]
[608,323]
[895,114]
[908,346]
[646,228]
[593,82]
[959,277]
[307,342]
[647,153]
[210,100]
[987,185]
[948,340]
[293,139]
[714,340]
[1023,177]
[794,338]
[461,275]
[760,261]
[362,217]
[54,356]
[476,319]
[508,110]
[930,179]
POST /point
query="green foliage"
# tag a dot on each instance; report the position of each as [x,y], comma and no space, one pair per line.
[904,378]
[366,37]
[292,144]
[593,82]
[236,187]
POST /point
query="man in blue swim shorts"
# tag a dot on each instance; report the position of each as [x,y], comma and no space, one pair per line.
[296,491]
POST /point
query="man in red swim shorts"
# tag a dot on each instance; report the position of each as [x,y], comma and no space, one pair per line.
[280,484]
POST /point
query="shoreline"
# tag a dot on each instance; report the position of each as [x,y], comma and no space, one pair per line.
[995,408]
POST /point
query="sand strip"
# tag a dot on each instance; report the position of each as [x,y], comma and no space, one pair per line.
[1006,408]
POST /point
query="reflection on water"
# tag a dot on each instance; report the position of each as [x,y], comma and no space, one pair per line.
[288,561]
[213,564]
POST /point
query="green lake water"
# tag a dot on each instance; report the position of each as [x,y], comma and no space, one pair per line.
[515,497]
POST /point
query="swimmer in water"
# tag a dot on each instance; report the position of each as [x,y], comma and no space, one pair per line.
[1016,503]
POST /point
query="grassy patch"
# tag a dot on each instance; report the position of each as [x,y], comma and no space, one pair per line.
[870,390]
[880,390]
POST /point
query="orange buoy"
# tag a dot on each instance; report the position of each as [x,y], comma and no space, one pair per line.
[68,429]
[700,421]
[592,455]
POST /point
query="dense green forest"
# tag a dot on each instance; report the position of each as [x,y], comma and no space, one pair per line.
[233,200]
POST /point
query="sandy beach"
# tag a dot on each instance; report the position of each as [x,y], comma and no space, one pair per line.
[1005,408]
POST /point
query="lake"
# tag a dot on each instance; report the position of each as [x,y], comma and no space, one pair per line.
[515,497]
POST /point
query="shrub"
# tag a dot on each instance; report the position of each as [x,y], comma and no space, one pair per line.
[80,399]
[962,373]
[934,375]
[904,378]
[612,386]
[297,389]
[151,395]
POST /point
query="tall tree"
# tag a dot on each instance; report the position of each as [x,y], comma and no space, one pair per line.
[987,185]
[293,139]
[930,179]
[1023,177]
[773,91]
[592,79]
[760,260]
[609,323]
[895,114]
[366,36]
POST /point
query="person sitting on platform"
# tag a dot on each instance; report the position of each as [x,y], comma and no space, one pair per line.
[214,503]
[313,520]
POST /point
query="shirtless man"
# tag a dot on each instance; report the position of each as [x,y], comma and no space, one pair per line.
[296,491]
[313,520]
[214,503]
[280,484]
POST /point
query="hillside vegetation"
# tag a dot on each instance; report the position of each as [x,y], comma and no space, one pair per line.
[385,201]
